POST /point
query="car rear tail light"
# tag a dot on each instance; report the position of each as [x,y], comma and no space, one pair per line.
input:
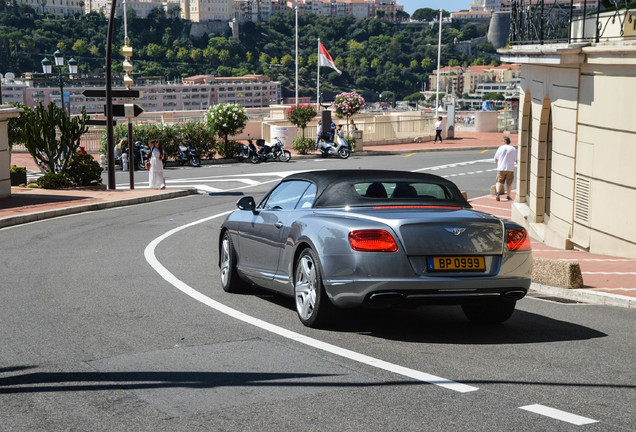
[518,240]
[372,240]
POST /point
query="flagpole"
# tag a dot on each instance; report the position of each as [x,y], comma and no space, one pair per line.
[296,53]
[439,55]
[318,80]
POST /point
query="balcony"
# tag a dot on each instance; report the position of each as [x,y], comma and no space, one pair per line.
[572,22]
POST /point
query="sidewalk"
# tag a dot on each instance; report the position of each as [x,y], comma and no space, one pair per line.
[606,280]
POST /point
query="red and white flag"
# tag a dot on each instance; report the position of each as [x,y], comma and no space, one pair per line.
[324,59]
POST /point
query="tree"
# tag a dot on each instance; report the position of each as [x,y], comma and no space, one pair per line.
[226,119]
[348,104]
[300,115]
[40,136]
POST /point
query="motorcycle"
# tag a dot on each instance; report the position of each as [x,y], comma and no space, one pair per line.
[275,151]
[248,152]
[188,154]
[141,155]
[340,148]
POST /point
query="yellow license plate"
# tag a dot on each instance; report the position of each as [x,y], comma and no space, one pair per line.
[457,263]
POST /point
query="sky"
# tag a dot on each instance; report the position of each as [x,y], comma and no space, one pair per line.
[411,6]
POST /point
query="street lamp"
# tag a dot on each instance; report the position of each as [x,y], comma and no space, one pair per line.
[60,78]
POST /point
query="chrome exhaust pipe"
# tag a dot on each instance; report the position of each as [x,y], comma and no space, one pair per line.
[386,297]
[514,294]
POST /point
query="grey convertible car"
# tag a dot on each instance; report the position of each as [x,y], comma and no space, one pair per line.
[346,238]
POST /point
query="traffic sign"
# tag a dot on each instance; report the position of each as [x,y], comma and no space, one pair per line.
[101,93]
[125,110]
[97,122]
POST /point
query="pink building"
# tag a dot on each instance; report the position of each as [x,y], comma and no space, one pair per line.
[193,93]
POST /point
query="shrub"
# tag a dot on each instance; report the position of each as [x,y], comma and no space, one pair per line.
[303,145]
[84,170]
[351,141]
[300,115]
[227,149]
[226,120]
[17,169]
[54,181]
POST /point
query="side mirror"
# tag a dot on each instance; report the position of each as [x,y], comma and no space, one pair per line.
[246,203]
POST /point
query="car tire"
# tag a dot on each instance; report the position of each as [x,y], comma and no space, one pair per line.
[231,282]
[313,307]
[489,311]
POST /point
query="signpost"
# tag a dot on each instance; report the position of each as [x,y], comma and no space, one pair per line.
[125,110]
[123,93]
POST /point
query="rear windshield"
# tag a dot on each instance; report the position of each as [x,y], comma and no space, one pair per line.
[403,190]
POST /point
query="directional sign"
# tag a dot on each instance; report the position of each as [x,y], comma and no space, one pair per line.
[97,122]
[101,93]
[125,110]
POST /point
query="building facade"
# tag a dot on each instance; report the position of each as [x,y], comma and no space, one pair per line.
[577,135]
[193,93]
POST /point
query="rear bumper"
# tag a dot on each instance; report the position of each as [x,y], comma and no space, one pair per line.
[430,291]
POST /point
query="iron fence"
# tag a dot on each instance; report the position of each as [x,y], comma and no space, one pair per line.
[573,21]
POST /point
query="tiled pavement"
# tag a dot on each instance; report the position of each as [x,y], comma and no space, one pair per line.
[607,280]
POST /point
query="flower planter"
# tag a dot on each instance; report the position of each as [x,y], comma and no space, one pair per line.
[18,178]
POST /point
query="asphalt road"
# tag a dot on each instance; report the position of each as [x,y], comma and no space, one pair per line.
[115,321]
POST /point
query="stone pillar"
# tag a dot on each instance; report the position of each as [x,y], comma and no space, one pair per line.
[6,112]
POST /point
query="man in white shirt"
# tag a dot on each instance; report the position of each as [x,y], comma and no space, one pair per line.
[506,159]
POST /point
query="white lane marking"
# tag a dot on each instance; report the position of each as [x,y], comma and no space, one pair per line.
[207,188]
[149,254]
[558,414]
[454,165]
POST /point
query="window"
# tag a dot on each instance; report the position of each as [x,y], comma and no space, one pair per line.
[286,196]
[403,190]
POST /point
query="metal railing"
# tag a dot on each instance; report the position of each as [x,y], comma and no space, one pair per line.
[573,21]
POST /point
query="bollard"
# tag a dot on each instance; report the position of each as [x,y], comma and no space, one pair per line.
[124,162]
[102,160]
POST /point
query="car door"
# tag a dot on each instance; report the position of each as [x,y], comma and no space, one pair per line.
[264,236]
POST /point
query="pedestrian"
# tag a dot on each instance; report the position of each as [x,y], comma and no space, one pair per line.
[332,132]
[438,130]
[352,126]
[155,175]
[506,159]
[318,134]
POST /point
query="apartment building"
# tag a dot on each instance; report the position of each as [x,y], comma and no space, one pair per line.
[193,93]
[471,16]
[246,10]
[141,7]
[450,79]
[58,8]
[468,80]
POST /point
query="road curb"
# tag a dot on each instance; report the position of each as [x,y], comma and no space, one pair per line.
[64,211]
[584,296]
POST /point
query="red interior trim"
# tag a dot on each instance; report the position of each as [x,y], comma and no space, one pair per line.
[417,207]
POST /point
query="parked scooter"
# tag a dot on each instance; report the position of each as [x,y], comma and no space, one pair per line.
[188,154]
[248,152]
[340,148]
[275,151]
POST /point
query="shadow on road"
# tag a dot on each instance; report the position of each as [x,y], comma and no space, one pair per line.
[448,325]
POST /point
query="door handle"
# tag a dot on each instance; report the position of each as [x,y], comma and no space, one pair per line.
[278,224]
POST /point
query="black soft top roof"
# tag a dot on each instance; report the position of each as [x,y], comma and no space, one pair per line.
[335,188]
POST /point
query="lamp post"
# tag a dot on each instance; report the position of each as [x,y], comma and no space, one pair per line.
[60,79]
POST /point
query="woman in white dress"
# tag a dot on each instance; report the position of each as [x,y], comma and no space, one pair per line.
[155,176]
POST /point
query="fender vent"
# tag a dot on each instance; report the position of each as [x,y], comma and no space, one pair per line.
[582,197]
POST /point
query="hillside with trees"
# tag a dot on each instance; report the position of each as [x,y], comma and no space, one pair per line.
[375,56]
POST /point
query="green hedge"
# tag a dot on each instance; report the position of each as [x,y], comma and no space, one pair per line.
[172,136]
